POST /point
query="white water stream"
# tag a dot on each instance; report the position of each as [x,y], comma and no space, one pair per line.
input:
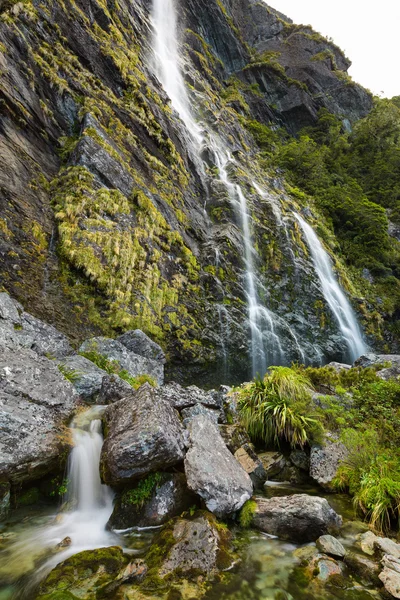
[333,294]
[83,517]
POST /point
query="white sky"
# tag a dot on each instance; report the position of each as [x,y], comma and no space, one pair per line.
[368,32]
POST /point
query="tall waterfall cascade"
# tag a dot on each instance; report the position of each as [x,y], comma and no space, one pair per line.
[266,328]
[266,347]
[333,294]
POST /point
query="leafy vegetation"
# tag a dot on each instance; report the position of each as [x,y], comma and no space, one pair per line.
[143,491]
[362,408]
[278,408]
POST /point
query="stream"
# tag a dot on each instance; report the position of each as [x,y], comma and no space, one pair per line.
[34,540]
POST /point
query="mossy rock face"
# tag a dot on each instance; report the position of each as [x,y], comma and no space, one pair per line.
[83,575]
[28,497]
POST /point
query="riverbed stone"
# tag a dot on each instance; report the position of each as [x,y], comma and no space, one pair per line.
[211,470]
[330,545]
[325,460]
[135,364]
[325,568]
[390,575]
[169,498]
[251,463]
[387,546]
[36,402]
[234,436]
[300,459]
[144,435]
[199,547]
[362,565]
[367,542]
[300,518]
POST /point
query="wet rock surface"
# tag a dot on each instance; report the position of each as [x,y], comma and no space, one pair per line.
[36,402]
[84,575]
[144,435]
[211,470]
[299,517]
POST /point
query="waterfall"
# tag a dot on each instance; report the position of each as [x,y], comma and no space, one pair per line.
[333,294]
[81,523]
[167,67]
[266,346]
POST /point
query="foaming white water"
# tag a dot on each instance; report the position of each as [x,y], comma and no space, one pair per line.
[167,63]
[333,294]
[83,517]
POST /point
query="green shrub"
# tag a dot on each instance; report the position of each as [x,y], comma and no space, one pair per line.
[278,408]
[372,475]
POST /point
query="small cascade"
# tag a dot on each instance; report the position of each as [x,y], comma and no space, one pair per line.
[81,523]
[333,294]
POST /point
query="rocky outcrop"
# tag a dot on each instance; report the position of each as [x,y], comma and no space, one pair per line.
[299,518]
[102,229]
[169,498]
[211,470]
[144,435]
[134,364]
[36,402]
[326,459]
[390,364]
[20,329]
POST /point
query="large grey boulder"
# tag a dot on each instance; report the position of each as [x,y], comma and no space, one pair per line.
[300,518]
[185,397]
[392,362]
[139,343]
[211,470]
[135,364]
[325,460]
[199,409]
[170,498]
[35,403]
[144,435]
[87,377]
[20,329]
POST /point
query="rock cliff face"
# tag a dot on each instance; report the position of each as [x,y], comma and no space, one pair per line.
[110,221]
